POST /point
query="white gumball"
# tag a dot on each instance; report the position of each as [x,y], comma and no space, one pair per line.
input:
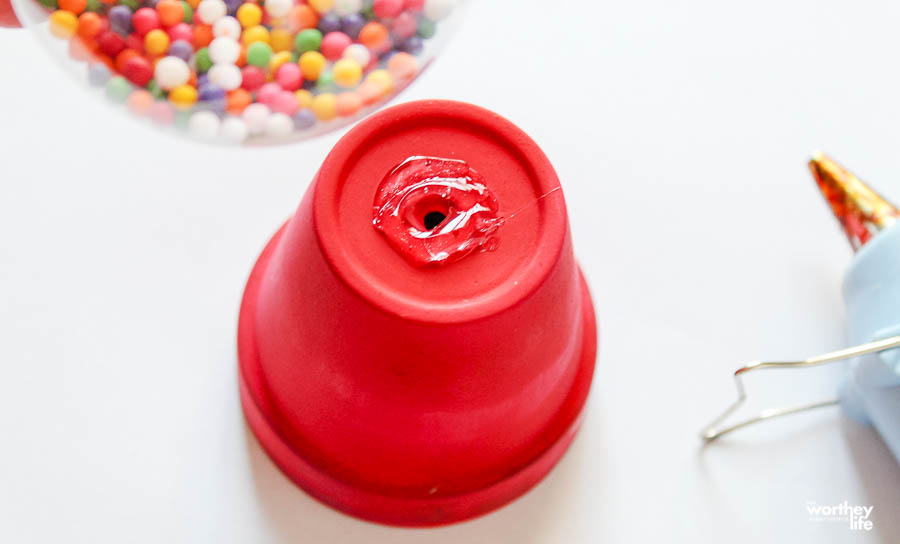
[234,130]
[278,8]
[438,9]
[227,27]
[204,125]
[226,76]
[224,51]
[279,125]
[342,8]
[255,116]
[210,11]
[171,72]
[358,53]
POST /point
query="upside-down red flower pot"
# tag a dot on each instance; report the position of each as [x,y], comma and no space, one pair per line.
[417,369]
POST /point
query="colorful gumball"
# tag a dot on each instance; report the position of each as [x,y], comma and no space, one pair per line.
[144,20]
[289,76]
[249,15]
[347,104]
[284,102]
[333,45]
[405,25]
[267,93]
[171,72]
[402,66]
[169,12]
[252,77]
[156,42]
[140,102]
[324,106]
[347,73]
[90,24]
[311,64]
[374,35]
[181,31]
[238,100]
[387,9]
[63,24]
[138,70]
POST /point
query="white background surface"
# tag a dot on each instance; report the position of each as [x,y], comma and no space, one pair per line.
[680,131]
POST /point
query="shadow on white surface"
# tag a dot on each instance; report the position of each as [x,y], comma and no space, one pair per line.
[293,516]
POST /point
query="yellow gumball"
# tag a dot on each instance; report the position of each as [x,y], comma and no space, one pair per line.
[156,42]
[183,96]
[256,33]
[322,6]
[311,64]
[347,73]
[324,106]
[63,24]
[304,98]
[281,40]
[249,15]
[382,78]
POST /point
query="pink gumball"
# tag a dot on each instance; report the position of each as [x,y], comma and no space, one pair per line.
[267,93]
[289,76]
[285,102]
[333,45]
[181,31]
[404,25]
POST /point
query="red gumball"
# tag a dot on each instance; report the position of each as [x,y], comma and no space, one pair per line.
[144,20]
[133,41]
[138,71]
[386,9]
[253,77]
[111,43]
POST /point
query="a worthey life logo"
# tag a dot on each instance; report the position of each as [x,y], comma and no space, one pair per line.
[858,517]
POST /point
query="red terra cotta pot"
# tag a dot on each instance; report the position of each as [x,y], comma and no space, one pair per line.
[418,395]
[8,17]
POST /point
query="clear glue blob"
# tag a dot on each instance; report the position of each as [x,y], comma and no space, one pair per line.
[436,211]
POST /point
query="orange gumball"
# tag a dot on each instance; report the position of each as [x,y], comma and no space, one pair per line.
[203,35]
[170,12]
[369,92]
[302,17]
[242,57]
[402,65]
[140,102]
[89,24]
[373,35]
[237,100]
[348,103]
[75,6]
